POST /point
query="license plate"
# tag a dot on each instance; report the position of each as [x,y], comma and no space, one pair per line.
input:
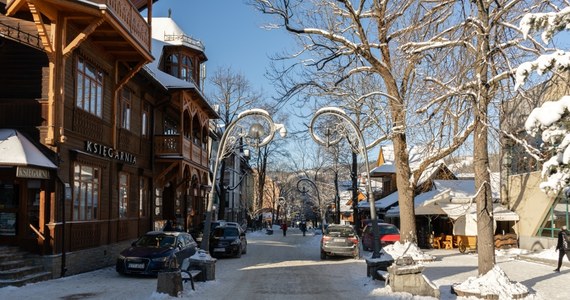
[136,266]
[338,240]
[219,249]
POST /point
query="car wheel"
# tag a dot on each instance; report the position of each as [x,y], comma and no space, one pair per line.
[323,255]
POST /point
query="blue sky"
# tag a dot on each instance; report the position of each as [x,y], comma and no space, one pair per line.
[232,34]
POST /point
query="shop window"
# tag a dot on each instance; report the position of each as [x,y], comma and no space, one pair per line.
[89,88]
[143,196]
[86,187]
[126,100]
[556,217]
[123,195]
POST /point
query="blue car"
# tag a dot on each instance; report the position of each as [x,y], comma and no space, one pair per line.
[156,251]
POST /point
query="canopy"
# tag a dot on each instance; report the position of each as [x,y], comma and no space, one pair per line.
[17,150]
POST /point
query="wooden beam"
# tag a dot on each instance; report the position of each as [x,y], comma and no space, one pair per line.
[82,36]
[42,31]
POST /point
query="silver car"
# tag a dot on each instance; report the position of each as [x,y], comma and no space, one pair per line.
[339,240]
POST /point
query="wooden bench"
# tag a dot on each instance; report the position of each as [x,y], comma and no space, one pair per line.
[192,275]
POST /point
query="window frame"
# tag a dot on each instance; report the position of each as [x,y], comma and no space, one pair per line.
[126,108]
[123,195]
[89,87]
[86,193]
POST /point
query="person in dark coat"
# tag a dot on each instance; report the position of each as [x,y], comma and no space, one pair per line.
[284,228]
[303,228]
[562,247]
[168,226]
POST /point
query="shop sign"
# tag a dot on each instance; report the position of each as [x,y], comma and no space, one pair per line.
[27,172]
[109,152]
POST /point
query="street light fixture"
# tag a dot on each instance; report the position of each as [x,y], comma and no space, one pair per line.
[344,127]
[250,126]
[302,187]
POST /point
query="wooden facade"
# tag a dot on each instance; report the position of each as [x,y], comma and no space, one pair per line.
[131,152]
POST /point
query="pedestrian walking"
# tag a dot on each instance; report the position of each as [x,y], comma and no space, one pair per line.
[284,228]
[562,247]
[303,227]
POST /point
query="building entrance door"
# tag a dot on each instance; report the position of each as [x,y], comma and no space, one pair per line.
[9,207]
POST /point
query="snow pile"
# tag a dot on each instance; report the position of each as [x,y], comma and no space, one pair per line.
[495,282]
[398,249]
[201,255]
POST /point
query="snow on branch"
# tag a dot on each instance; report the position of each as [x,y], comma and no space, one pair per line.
[559,61]
[550,23]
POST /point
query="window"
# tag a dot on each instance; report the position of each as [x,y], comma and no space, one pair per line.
[86,185]
[143,196]
[186,69]
[126,96]
[171,66]
[556,217]
[89,89]
[145,120]
[123,194]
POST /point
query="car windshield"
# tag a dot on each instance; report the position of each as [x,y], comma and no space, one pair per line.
[226,231]
[389,229]
[340,231]
[158,241]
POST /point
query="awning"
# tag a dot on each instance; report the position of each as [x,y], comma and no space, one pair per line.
[17,150]
[500,213]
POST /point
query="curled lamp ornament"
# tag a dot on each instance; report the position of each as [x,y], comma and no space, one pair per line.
[333,133]
[254,125]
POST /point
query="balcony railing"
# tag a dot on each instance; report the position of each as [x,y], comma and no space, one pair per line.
[132,19]
[128,15]
[174,146]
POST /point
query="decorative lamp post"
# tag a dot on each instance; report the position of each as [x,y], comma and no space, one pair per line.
[302,186]
[334,131]
[256,128]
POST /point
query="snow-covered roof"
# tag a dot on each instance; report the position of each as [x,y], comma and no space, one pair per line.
[416,155]
[17,150]
[166,30]
[453,198]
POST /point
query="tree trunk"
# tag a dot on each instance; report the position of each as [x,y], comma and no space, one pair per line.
[485,242]
[222,192]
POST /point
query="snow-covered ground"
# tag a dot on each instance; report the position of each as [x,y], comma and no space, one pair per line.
[445,268]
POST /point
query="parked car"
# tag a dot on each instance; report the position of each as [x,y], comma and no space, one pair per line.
[339,240]
[228,241]
[199,233]
[156,251]
[388,234]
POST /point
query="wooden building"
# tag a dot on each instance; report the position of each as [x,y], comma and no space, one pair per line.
[117,123]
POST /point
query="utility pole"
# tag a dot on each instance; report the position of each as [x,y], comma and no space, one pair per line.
[354,177]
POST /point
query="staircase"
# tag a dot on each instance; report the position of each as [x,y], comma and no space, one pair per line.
[18,268]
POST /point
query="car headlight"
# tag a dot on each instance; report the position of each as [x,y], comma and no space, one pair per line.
[160,259]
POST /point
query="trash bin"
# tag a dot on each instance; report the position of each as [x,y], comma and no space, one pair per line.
[204,263]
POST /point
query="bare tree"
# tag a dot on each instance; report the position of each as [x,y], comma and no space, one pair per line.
[340,42]
[232,94]
[440,66]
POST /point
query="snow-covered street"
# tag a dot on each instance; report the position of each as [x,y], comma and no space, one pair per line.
[277,267]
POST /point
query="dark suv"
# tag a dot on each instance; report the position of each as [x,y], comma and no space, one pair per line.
[339,240]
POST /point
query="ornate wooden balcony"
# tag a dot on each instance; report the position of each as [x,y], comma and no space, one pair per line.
[179,147]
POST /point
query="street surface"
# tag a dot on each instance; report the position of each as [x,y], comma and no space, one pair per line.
[277,267]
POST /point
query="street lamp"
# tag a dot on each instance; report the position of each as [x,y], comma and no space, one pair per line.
[344,127]
[302,185]
[249,126]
